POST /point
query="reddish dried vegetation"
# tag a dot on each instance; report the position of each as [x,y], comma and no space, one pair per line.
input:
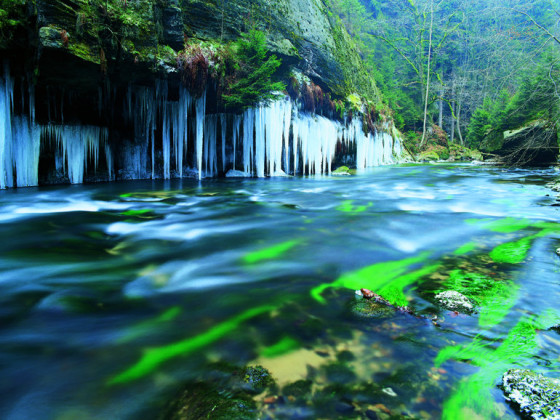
[194,65]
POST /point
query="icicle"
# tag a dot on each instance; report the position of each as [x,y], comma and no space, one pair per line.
[200,113]
[236,127]
[109,161]
[287,125]
[260,142]
[248,127]
[6,105]
[296,123]
[210,157]
[78,144]
[223,124]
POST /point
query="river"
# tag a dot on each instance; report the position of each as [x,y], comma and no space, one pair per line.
[114,295]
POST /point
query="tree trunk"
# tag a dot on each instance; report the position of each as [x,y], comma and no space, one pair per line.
[440,121]
[428,75]
[459,124]
[453,122]
[452,117]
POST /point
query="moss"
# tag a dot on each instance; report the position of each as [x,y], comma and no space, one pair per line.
[206,401]
[428,156]
[85,52]
[257,379]
[299,389]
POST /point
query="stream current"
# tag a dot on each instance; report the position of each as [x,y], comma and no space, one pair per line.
[112,296]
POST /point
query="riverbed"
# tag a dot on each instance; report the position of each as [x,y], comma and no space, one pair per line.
[114,296]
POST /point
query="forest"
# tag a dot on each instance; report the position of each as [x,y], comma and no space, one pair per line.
[473,68]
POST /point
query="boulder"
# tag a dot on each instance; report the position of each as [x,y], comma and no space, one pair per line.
[454,301]
[534,395]
[535,144]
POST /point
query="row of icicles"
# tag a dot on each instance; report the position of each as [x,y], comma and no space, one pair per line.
[273,139]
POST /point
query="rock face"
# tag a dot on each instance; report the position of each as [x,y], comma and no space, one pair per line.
[129,39]
[536,396]
[535,144]
[454,301]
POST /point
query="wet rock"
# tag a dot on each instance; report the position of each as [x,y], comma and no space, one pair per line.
[535,395]
[389,392]
[372,415]
[343,407]
[364,308]
[454,301]
[232,173]
[204,401]
[342,171]
[298,389]
[256,379]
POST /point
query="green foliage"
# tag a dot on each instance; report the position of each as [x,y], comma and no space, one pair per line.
[12,15]
[536,98]
[489,117]
[252,82]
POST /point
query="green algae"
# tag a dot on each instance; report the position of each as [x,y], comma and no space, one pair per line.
[348,207]
[512,252]
[146,327]
[136,212]
[474,394]
[285,345]
[495,298]
[154,357]
[466,248]
[387,279]
[270,253]
[497,303]
[505,225]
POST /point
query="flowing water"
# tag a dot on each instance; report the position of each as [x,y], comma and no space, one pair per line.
[112,296]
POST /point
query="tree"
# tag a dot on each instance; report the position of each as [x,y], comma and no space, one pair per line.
[252,82]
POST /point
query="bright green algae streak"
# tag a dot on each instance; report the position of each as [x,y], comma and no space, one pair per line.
[506,225]
[512,252]
[475,392]
[136,212]
[285,345]
[145,327]
[154,357]
[465,249]
[348,207]
[388,279]
[270,253]
[495,298]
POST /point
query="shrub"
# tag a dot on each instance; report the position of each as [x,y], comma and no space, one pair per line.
[252,82]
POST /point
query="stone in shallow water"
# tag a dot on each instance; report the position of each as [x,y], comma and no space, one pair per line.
[370,309]
[454,301]
[536,396]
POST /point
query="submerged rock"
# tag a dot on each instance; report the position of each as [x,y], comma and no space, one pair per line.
[233,173]
[536,396]
[370,309]
[454,301]
[342,171]
[205,401]
[256,379]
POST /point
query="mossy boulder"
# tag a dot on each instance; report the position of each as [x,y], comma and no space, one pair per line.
[364,308]
[256,379]
[341,171]
[534,395]
[533,144]
[205,401]
[428,156]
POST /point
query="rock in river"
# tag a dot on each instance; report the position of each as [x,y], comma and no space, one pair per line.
[536,396]
[454,301]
